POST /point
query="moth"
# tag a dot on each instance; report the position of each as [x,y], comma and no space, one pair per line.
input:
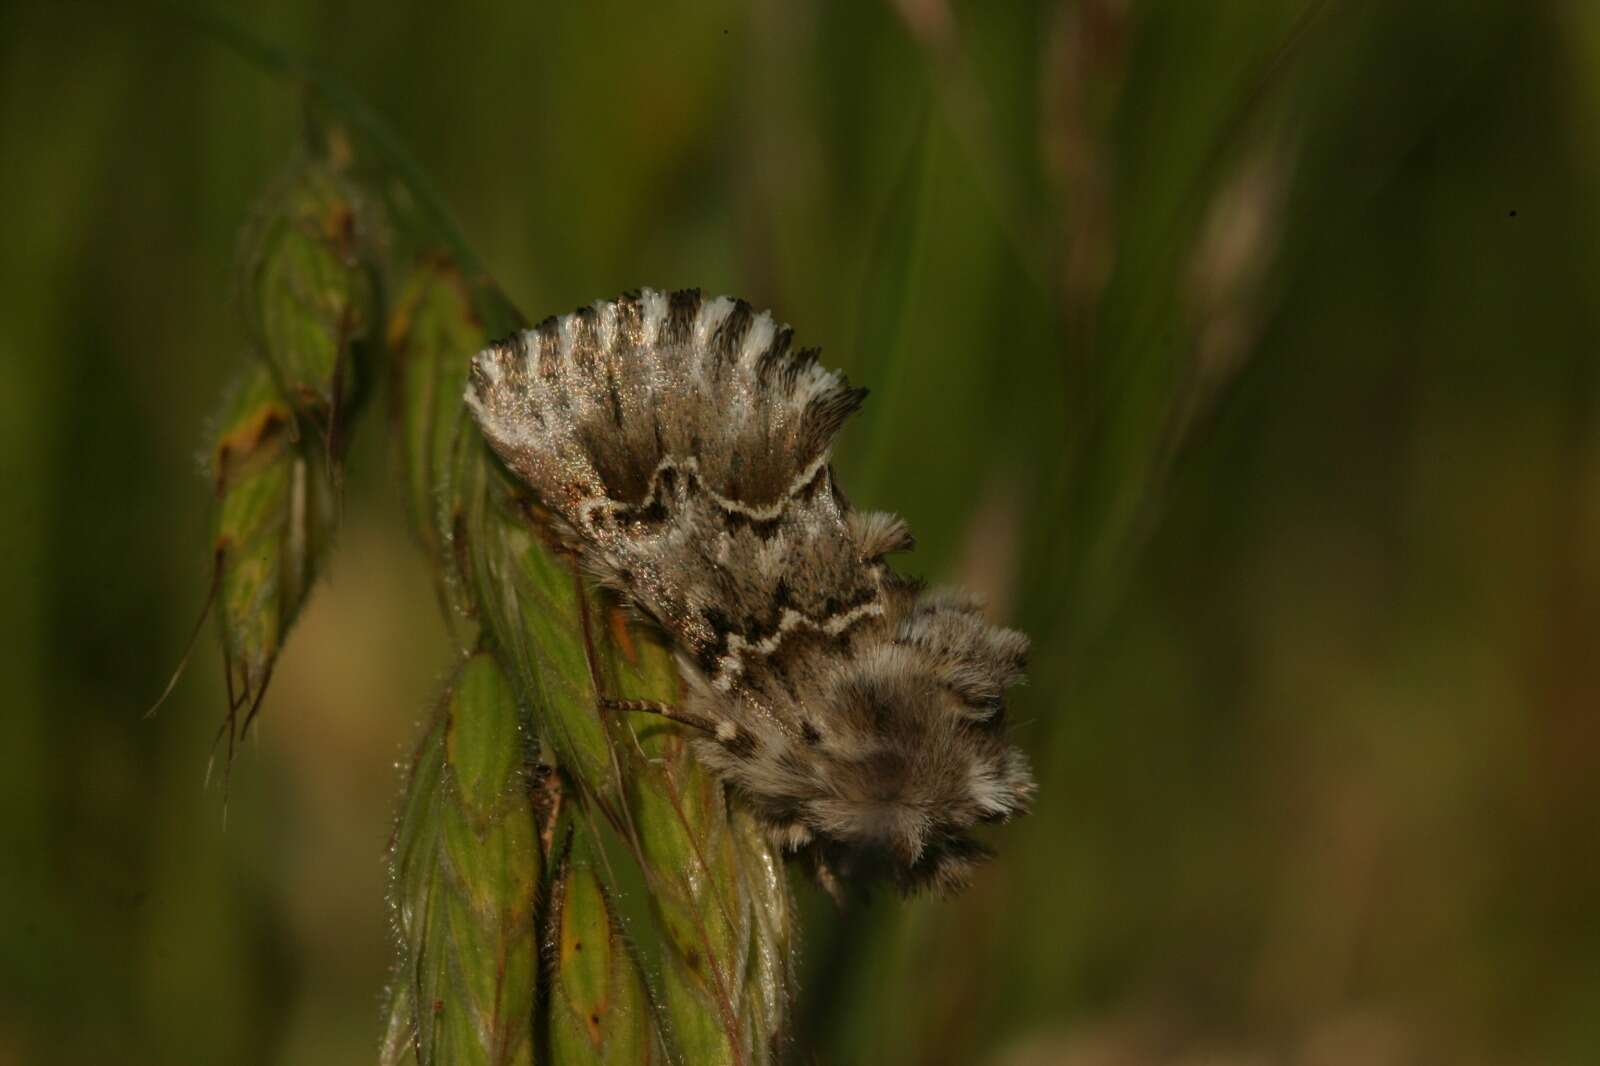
[682,447]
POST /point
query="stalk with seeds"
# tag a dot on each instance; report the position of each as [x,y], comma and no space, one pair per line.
[352,219]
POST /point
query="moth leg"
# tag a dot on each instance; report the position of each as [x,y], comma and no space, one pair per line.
[665,710]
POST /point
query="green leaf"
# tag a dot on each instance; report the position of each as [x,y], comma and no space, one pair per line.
[467,851]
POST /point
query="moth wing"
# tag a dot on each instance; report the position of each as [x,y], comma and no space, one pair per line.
[685,443]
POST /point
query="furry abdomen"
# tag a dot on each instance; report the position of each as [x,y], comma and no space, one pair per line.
[683,448]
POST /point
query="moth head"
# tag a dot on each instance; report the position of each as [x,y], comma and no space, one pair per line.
[915,756]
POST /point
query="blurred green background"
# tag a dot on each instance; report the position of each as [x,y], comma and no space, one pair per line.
[1244,353]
